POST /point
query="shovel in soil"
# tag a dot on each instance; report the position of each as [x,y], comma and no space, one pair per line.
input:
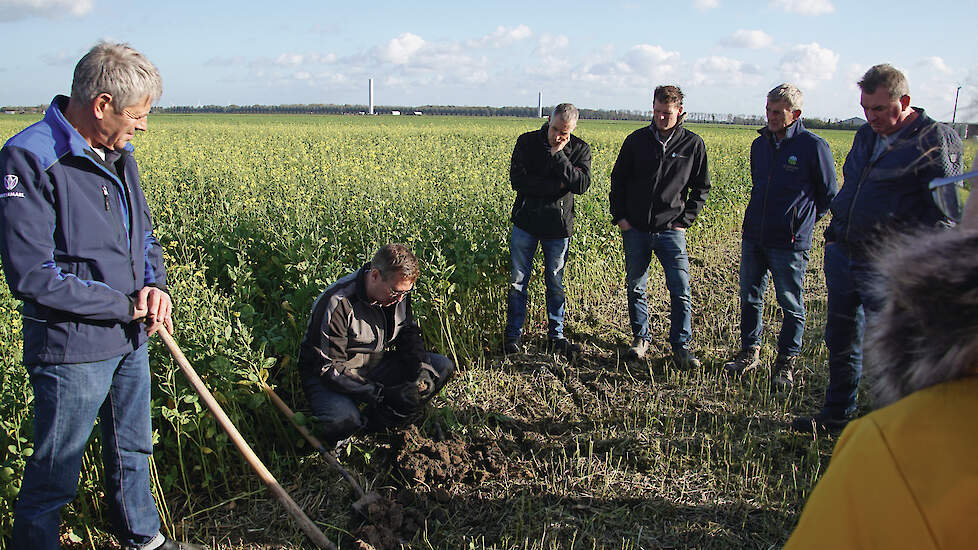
[365,501]
[307,526]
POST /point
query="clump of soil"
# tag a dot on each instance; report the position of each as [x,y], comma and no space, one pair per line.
[388,523]
[423,461]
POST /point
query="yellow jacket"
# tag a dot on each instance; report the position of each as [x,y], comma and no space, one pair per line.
[904,476]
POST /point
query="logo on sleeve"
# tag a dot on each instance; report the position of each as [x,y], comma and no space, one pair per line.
[9,182]
[793,160]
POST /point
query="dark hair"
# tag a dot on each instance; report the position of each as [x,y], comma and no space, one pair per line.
[887,76]
[397,259]
[668,94]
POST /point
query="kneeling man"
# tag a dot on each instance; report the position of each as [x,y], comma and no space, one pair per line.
[363,362]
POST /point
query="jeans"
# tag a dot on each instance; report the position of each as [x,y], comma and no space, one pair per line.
[522,247]
[338,415]
[670,248]
[850,303]
[67,399]
[787,268]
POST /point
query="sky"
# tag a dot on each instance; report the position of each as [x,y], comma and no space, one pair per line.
[725,54]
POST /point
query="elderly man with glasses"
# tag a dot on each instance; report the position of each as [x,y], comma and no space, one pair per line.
[363,363]
[77,247]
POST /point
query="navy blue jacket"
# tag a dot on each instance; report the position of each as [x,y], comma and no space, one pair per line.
[76,242]
[891,192]
[792,188]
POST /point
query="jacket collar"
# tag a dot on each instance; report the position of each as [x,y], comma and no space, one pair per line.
[792,131]
[361,285]
[67,139]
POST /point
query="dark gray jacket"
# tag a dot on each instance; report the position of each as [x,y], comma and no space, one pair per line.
[347,335]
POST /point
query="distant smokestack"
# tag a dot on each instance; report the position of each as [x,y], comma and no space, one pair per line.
[370,95]
[539,104]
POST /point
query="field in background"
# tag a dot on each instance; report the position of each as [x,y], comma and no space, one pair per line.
[259,213]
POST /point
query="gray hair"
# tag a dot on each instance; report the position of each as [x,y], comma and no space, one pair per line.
[117,70]
[887,76]
[787,92]
[566,111]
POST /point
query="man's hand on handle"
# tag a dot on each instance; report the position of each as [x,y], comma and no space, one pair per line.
[155,307]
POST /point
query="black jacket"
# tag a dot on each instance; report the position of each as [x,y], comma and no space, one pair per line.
[656,187]
[347,335]
[545,183]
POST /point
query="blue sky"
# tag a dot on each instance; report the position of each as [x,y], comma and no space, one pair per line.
[725,54]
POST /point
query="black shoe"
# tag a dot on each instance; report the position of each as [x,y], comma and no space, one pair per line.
[820,424]
[564,346]
[685,359]
[781,373]
[512,346]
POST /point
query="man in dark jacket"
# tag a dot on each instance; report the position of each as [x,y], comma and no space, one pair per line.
[548,168]
[886,175]
[793,177]
[658,186]
[363,347]
[77,246]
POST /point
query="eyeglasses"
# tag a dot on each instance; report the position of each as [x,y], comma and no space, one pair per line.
[951,193]
[398,294]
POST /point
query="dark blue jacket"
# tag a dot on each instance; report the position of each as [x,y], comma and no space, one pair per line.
[792,188]
[76,242]
[891,192]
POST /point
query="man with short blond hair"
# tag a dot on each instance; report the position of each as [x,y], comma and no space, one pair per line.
[77,247]
[658,186]
[793,182]
[362,362]
[893,158]
[549,166]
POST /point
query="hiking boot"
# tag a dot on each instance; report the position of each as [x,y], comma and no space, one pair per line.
[820,424]
[512,346]
[685,359]
[781,373]
[639,348]
[746,360]
[564,346]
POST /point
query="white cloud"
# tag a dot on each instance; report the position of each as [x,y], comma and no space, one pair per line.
[648,59]
[805,7]
[501,37]
[807,64]
[549,43]
[295,59]
[12,10]
[400,50]
[744,38]
[703,5]
[302,75]
[934,63]
[717,70]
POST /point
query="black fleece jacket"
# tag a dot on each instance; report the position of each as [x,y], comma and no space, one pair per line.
[546,183]
[655,187]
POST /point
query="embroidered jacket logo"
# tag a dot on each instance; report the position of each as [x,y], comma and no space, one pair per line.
[10,181]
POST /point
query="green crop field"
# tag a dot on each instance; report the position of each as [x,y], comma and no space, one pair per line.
[259,213]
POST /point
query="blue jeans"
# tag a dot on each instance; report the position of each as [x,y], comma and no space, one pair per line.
[338,414]
[67,399]
[850,302]
[787,268]
[522,247]
[670,248]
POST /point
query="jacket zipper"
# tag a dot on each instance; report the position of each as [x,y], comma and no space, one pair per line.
[105,196]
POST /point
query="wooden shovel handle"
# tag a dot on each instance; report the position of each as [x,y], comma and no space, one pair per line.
[307,526]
